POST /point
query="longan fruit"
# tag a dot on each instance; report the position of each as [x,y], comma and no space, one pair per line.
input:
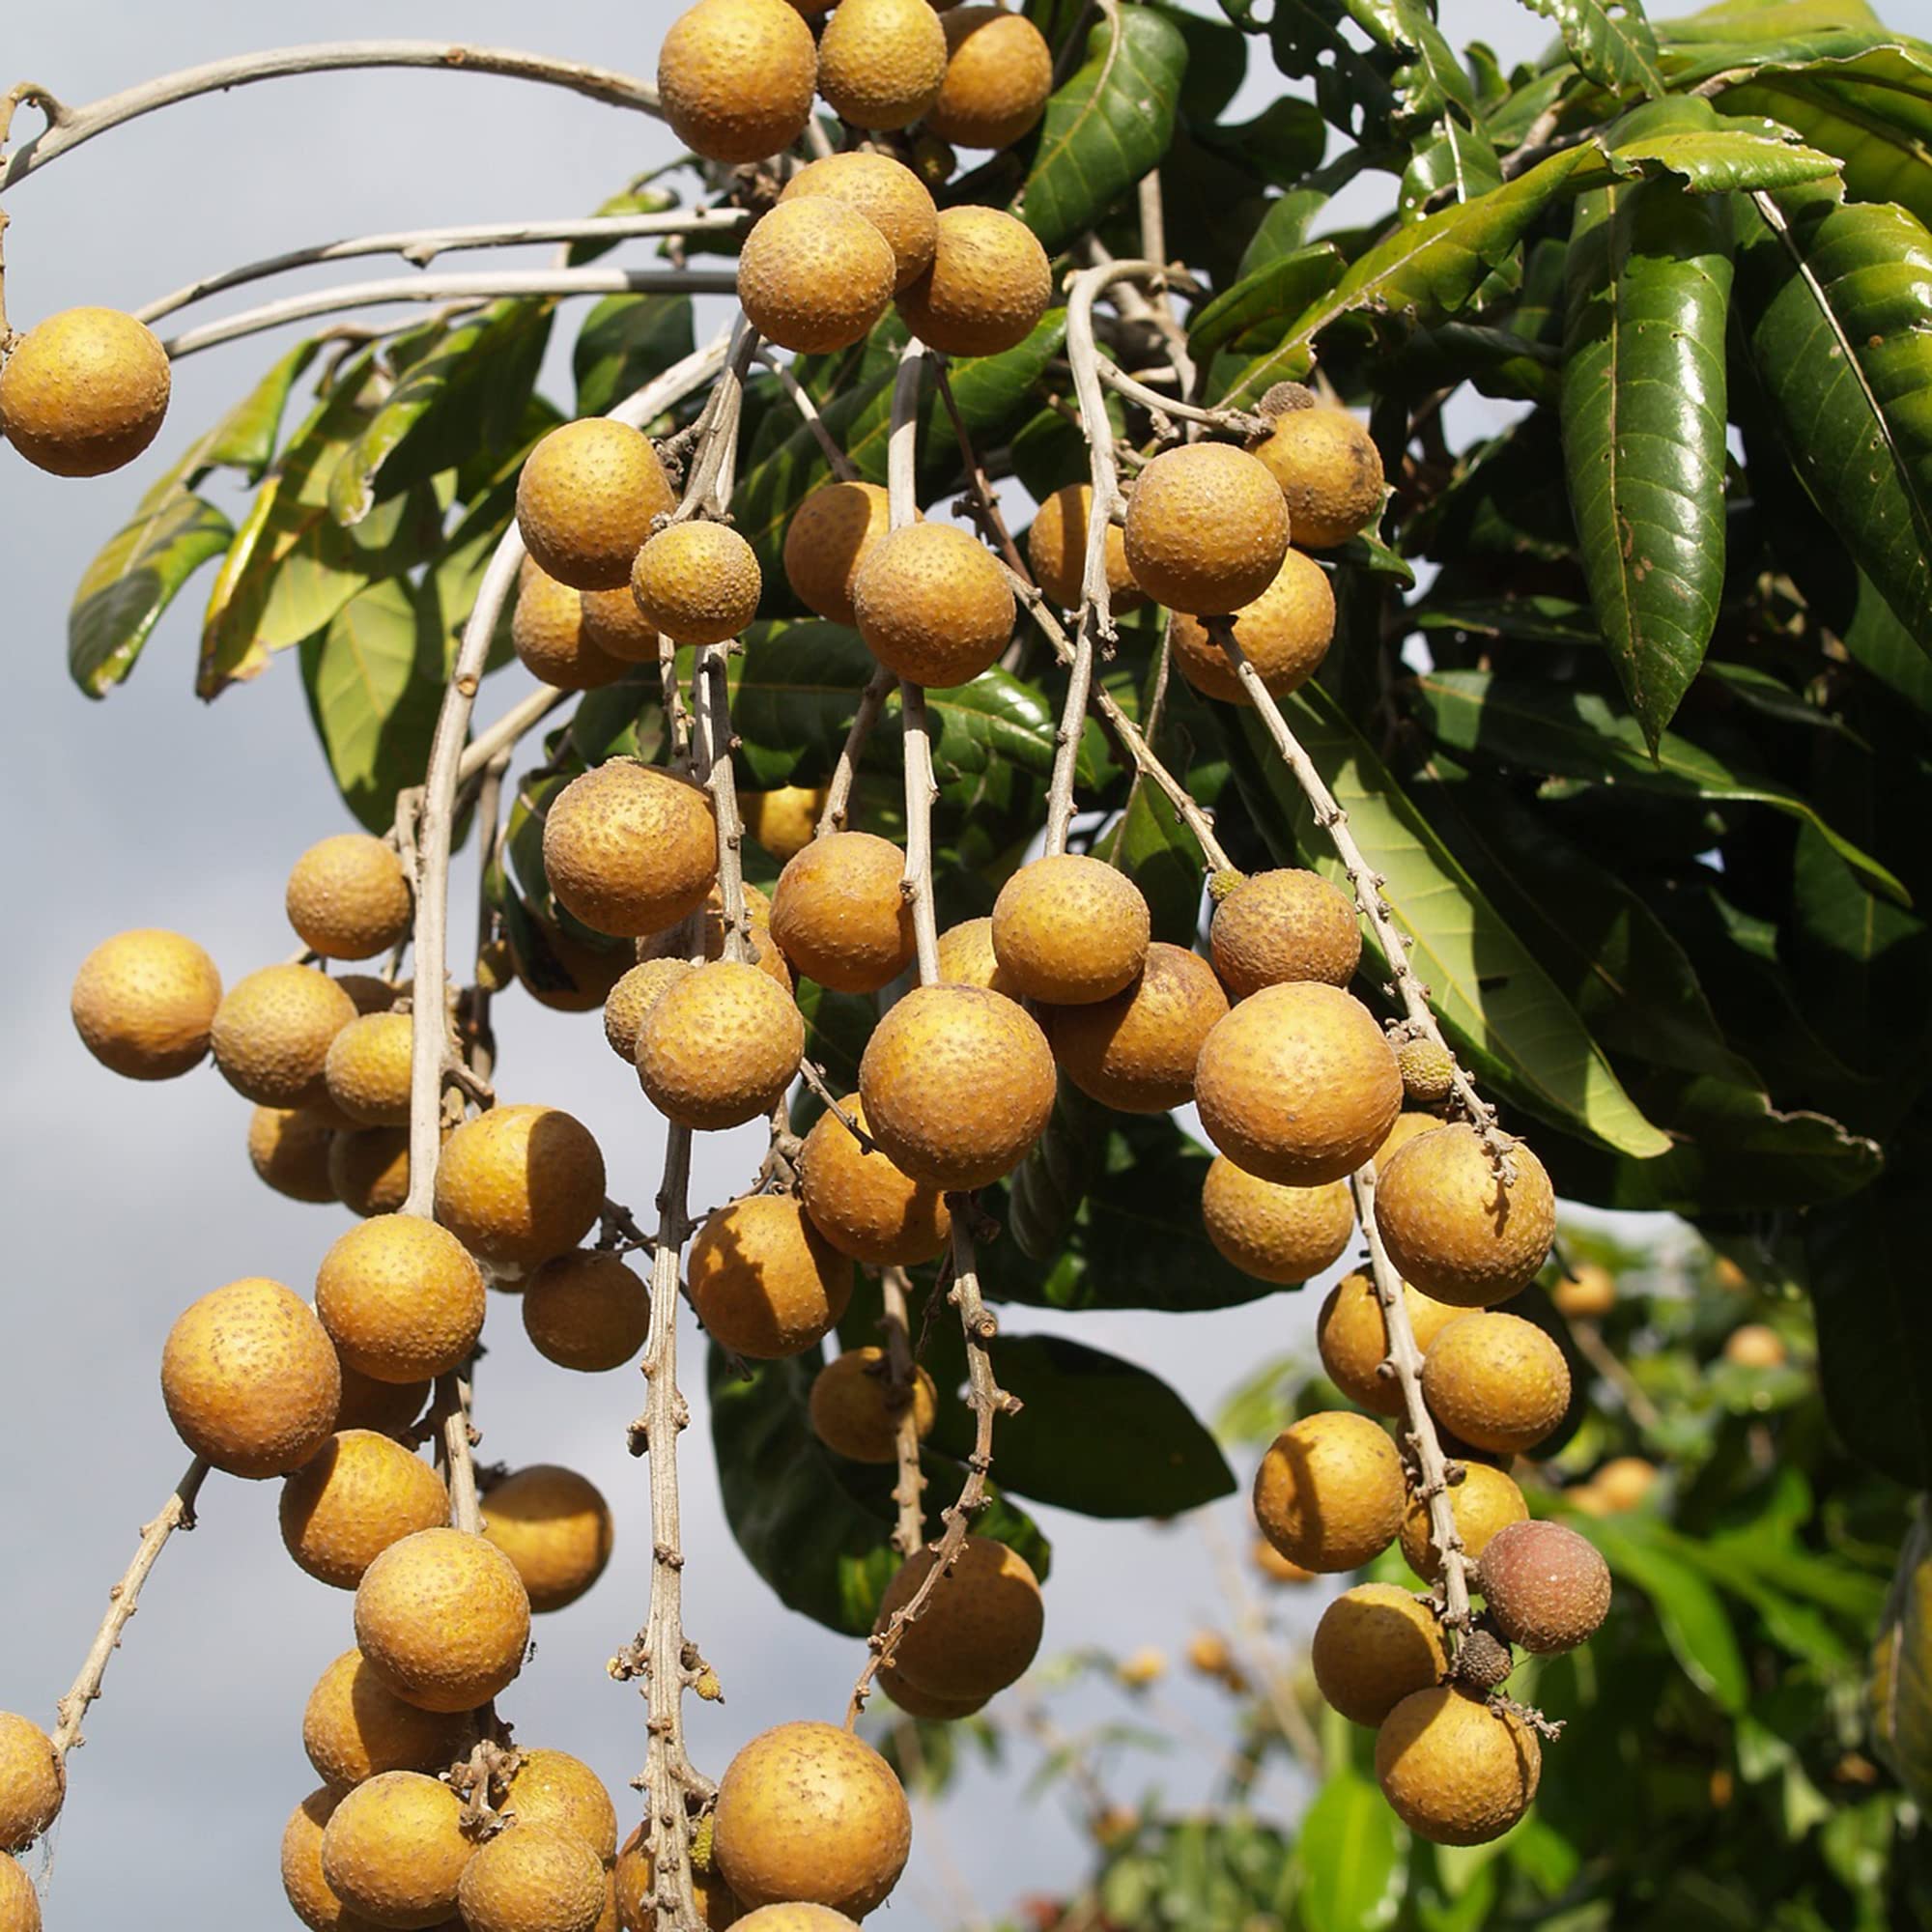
[1624,1481]
[850,1411]
[355,1727]
[588,1311]
[1455,1227]
[862,1204]
[401,1297]
[250,1380]
[1407,1125]
[958,1084]
[371,992]
[1482,1503]
[349,898]
[966,959]
[813,275]
[1285,632]
[632,999]
[1586,1293]
[1351,1337]
[444,1619]
[764,1282]
[394,1849]
[551,636]
[288,1146]
[519,1184]
[1329,1494]
[588,491]
[1071,930]
[831,534]
[84,391]
[839,914]
[735,78]
[881,63]
[933,604]
[361,1493]
[1276,1566]
[1456,1770]
[1375,1645]
[552,1791]
[797,1917]
[33,1780]
[144,1002]
[698,581]
[629,848]
[720,1046]
[917,1703]
[717,1905]
[1496,1382]
[1428,1073]
[1330,472]
[1284,926]
[1297,1084]
[891,198]
[386,1407]
[555,1526]
[565,973]
[988,285]
[614,625]
[310,1895]
[1753,1345]
[1546,1588]
[533,1880]
[785,820]
[1136,1051]
[273,1031]
[1207,529]
[980,1629]
[1284,1235]
[758,924]
[367,1069]
[999,71]
[810,1815]
[19,1902]
[369,1169]
[1056,543]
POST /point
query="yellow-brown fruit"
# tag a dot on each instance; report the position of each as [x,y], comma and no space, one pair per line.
[588,1311]
[1136,1051]
[551,636]
[143,1002]
[1285,632]
[361,1493]
[1428,1073]
[84,391]
[614,625]
[813,275]
[349,898]
[720,1046]
[1624,1481]
[1146,1665]
[1329,1493]
[565,973]
[881,63]
[1482,1503]
[850,1411]
[933,604]
[32,1780]
[1071,930]
[966,959]
[533,1880]
[552,1791]
[632,999]
[273,1032]
[891,198]
[1455,1227]
[288,1146]
[1207,529]
[917,1703]
[1209,1655]
[1407,1125]
[1280,927]
[388,1407]
[839,914]
[831,536]
[698,581]
[371,993]
[810,1815]
[757,926]
[401,1298]
[519,1184]
[1496,1382]
[310,1895]
[1056,543]
[988,285]
[1353,1338]
[864,1204]
[1330,472]
[981,1627]
[1375,1645]
[736,78]
[716,1906]
[630,849]
[785,820]
[1276,1566]
[958,1083]
[999,71]
[1754,1346]
[1273,1233]
[442,1618]
[764,1283]
[1297,1084]
[355,1727]
[394,1849]
[1455,1770]
[19,1902]
[369,1170]
[555,1526]
[1587,1294]
[588,495]
[250,1380]
[1545,1587]
[367,1069]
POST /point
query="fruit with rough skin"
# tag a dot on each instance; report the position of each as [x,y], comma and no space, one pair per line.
[552,1791]
[785,820]
[1071,930]
[144,1002]
[698,581]
[443,1619]
[716,1906]
[736,77]
[401,1297]
[1755,1345]
[1276,1566]
[720,1046]
[273,1031]
[1351,1337]
[1285,632]
[1428,1073]
[369,1169]
[1207,529]
[372,993]
[394,1849]
[756,928]
[1407,1125]
[966,959]
[1484,1662]
[813,275]
[851,1411]
[551,639]
[881,63]
[561,970]
[1136,1051]
[1284,1235]
[862,1204]
[765,1282]
[830,538]
[586,498]
[84,391]
[355,1727]
[288,1146]
[529,1879]
[250,1380]
[838,915]
[1586,1293]
[19,1902]
[958,1083]
[386,1407]
[934,605]
[810,1815]
[33,1780]
[1056,545]
[1455,1227]
[1481,1504]
[629,848]
[586,1310]
[612,624]
[1330,473]
[520,1185]
[632,998]
[1545,1587]
[555,1526]
[367,1069]
[978,1629]
[310,1895]
[1455,1770]
[1329,1494]
[1496,1382]
[362,1492]
[1375,1645]
[917,1703]
[999,71]
[891,198]
[1281,927]
[988,285]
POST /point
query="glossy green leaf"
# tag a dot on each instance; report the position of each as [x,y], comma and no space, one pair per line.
[1436,104]
[624,342]
[1758,155]
[1691,1612]
[1275,293]
[246,437]
[1351,1857]
[1610,41]
[1158,853]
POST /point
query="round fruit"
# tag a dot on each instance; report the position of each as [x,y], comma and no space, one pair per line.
[349,898]
[552,1791]
[1624,1481]
[533,1880]
[367,1069]
[839,914]
[1277,1234]
[1482,1503]
[999,71]
[250,1380]
[852,1415]
[1755,1347]
[1280,927]
[555,1526]
[933,604]
[20,1903]
[1276,1566]
[370,1170]
[1375,1645]
[1483,1662]
[764,1283]
[288,1146]
[988,285]
[862,1204]
[563,972]
[310,1895]
[1428,1073]
[1586,1293]
[1455,1227]
[637,1882]
[813,275]
[1056,543]
[386,1407]
[551,636]
[720,1046]
[1546,1588]
[1330,471]
[1496,1382]
[614,625]
[784,821]
[917,1703]
[795,1917]
[977,1630]
[1353,1338]
[1071,930]
[143,1002]
[401,1298]
[810,1815]
[881,63]
[33,1781]
[1329,1493]
[1285,632]
[84,391]
[1455,1770]
[519,1184]
[273,1032]
[586,498]
[588,1311]
[698,581]
[1206,528]
[958,1083]
[966,959]
[630,849]
[361,1493]
[1297,1084]
[632,999]
[355,1727]
[444,1619]
[1406,1128]
[735,78]
[892,198]
[1136,1051]
[833,534]
[394,1849]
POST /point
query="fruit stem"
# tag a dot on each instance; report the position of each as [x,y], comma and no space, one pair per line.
[983,504]
[844,774]
[455,1442]
[843,467]
[910,1531]
[714,696]
[1236,422]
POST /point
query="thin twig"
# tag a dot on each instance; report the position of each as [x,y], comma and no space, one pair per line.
[985,505]
[1235,422]
[901,1390]
[843,466]
[715,677]
[844,774]
[814,1078]
[456,1442]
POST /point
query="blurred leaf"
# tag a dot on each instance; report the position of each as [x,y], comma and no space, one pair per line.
[624,342]
[1352,1858]
[1901,1687]
[1692,1615]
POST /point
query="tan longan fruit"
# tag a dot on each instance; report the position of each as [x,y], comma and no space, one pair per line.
[1351,1338]
[966,959]
[355,1727]
[310,1895]
[394,1849]
[555,1526]
[1056,543]
[84,391]
[958,1083]
[1277,1234]
[1071,930]
[757,924]
[850,1411]
[442,1618]
[1276,1566]
[1481,1504]
[1455,1227]
[614,625]
[273,1031]
[371,992]
[288,1146]
[1586,1293]
[881,63]
[736,78]
[1329,1494]
[1297,1084]
[1284,926]
[1496,1382]
[632,999]
[917,1703]
[362,1492]
[716,1906]
[862,1204]
[19,1902]
[720,1046]
[785,820]
[839,914]
[551,637]
[1375,1645]
[813,275]
[1454,1769]
[552,1791]
[630,849]
[33,1781]
[569,974]
[1285,632]
[1136,1051]
[143,1002]
[401,1297]
[980,1629]
[386,1407]
[367,1069]
[1207,529]
[1428,1073]
[1330,472]
[831,536]
[349,898]
[988,285]
[890,196]
[530,1879]
[764,1282]
[999,71]
[369,1169]
[1407,1125]
[1752,1345]
[250,1380]
[588,495]
[698,581]
[934,605]
[1624,1481]
[1546,1588]
[519,1184]
[797,1917]
[810,1815]
[588,1311]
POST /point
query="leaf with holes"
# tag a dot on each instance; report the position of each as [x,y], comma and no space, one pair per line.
[1610,41]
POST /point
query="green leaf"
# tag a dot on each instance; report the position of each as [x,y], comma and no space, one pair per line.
[1351,1859]
[1436,104]
[1901,1685]
[1728,158]
[246,437]
[1611,41]
[1276,291]
[1158,853]
[1690,1612]
[624,342]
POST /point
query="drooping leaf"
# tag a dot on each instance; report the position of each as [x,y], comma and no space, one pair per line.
[1735,156]
[1610,41]
[624,342]
[1688,1609]
[1351,1858]
[1275,293]
[1437,107]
